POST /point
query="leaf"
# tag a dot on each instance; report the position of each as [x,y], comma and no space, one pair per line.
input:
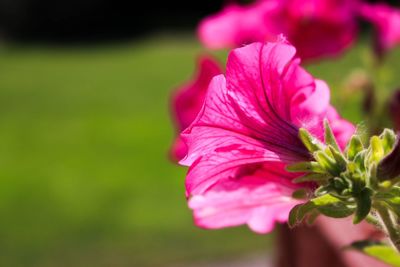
[327,205]
[340,160]
[392,193]
[292,220]
[298,213]
[331,206]
[312,216]
[305,167]
[360,160]
[379,251]
[300,193]
[327,163]
[388,140]
[376,150]
[363,205]
[329,136]
[311,143]
[312,177]
[355,146]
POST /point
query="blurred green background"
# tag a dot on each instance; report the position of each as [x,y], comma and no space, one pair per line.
[84,138]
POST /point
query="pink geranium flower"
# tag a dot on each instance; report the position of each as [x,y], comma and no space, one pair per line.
[188,100]
[316,28]
[386,21]
[247,131]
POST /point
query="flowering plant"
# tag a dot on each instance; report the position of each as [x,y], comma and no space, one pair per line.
[263,143]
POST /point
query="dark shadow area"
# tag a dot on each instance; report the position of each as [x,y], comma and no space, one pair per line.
[97,20]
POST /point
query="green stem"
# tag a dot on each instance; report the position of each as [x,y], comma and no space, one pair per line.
[389,225]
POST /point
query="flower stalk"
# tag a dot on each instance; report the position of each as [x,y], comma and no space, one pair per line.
[389,224]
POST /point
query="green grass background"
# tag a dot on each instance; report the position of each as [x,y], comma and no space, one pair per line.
[84,175]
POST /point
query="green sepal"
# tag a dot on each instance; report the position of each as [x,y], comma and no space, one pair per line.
[312,216]
[379,251]
[298,213]
[327,163]
[301,193]
[322,190]
[355,146]
[331,206]
[330,139]
[391,199]
[359,159]
[364,203]
[312,177]
[392,193]
[305,167]
[339,158]
[388,138]
[376,152]
[311,143]
[327,205]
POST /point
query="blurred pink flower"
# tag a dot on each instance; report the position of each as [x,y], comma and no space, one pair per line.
[316,28]
[247,131]
[386,21]
[237,25]
[188,100]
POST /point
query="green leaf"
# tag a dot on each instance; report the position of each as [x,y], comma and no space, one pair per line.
[355,146]
[329,136]
[292,220]
[312,177]
[363,205]
[311,143]
[339,158]
[379,251]
[376,150]
[360,160]
[327,204]
[392,193]
[332,207]
[327,163]
[312,216]
[305,167]
[301,193]
[298,213]
[388,138]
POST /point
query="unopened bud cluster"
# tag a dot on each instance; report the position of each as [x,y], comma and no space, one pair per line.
[350,182]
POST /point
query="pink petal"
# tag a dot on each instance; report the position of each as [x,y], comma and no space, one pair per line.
[317,28]
[252,200]
[188,100]
[237,25]
[386,21]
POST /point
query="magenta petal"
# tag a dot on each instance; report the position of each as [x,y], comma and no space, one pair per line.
[251,200]
[386,20]
[238,25]
[218,143]
[188,100]
[316,27]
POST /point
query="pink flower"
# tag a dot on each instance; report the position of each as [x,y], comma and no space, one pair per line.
[247,131]
[386,21]
[316,28]
[237,25]
[188,100]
